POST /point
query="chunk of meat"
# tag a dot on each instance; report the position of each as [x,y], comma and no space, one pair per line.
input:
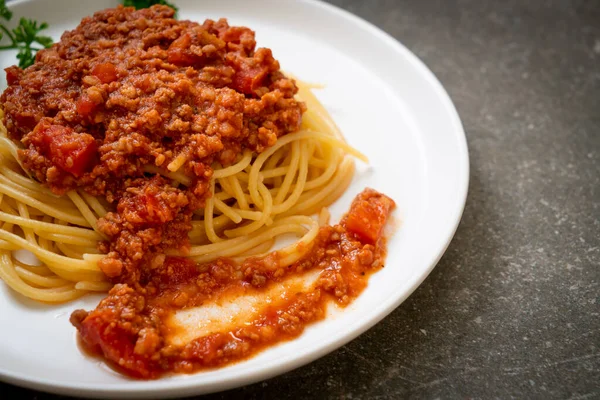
[368,215]
[155,202]
[13,74]
[155,209]
[111,267]
[194,47]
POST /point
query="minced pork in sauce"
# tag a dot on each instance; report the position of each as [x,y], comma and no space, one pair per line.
[130,88]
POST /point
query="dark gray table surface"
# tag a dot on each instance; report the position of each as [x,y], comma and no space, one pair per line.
[512,309]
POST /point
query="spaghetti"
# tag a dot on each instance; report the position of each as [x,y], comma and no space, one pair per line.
[253,202]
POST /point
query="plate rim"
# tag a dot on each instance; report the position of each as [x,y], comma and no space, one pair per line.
[288,363]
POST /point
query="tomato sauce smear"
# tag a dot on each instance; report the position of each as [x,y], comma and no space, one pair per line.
[131,327]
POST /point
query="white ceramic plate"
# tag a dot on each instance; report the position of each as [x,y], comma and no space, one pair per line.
[387,103]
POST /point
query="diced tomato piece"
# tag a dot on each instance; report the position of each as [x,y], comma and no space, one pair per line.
[248,79]
[68,150]
[250,73]
[179,51]
[116,345]
[368,215]
[116,335]
[106,72]
[85,106]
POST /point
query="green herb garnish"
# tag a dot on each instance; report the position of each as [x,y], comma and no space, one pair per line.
[23,37]
[4,11]
[147,3]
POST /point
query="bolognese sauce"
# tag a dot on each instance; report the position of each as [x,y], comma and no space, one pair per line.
[130,89]
[127,89]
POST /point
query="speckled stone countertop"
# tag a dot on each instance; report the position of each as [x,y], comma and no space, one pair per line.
[513,308]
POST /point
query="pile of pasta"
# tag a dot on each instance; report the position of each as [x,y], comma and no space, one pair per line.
[48,243]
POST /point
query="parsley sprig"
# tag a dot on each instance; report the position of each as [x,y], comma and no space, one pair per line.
[25,37]
[147,3]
